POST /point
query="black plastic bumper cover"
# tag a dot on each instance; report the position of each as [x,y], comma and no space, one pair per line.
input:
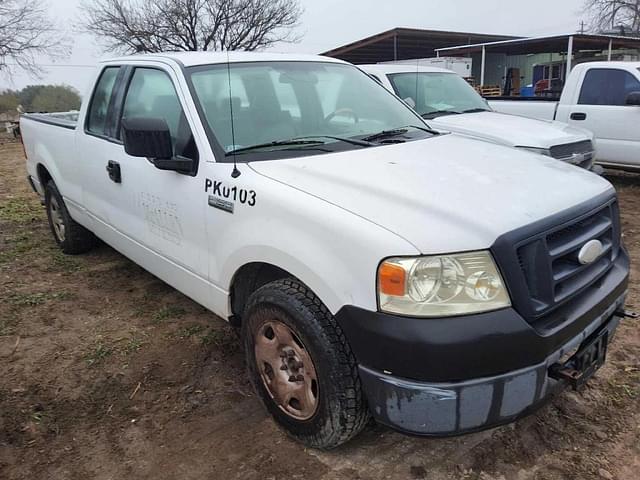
[455,375]
[443,409]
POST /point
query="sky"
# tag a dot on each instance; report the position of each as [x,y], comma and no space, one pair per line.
[327,24]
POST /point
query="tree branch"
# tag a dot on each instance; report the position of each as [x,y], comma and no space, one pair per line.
[153,26]
[25,33]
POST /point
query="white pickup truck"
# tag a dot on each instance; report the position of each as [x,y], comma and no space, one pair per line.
[603,97]
[449,103]
[438,283]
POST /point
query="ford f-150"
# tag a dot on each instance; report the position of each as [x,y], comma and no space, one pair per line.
[374,267]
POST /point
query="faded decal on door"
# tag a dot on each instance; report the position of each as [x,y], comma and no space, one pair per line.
[161,217]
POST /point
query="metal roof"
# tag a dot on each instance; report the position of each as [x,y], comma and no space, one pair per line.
[391,68]
[189,59]
[548,44]
[406,43]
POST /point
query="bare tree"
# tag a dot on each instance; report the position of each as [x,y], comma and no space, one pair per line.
[188,25]
[27,32]
[607,15]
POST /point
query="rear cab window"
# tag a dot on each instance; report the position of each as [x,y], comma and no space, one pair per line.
[607,86]
[97,116]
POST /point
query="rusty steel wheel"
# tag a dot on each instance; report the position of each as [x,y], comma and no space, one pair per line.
[286,369]
[301,365]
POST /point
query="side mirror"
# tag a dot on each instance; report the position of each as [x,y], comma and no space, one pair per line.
[147,137]
[150,137]
[633,99]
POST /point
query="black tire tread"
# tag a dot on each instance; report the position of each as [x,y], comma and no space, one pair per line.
[355,414]
[77,238]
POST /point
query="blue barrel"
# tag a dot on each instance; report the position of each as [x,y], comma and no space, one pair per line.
[528,91]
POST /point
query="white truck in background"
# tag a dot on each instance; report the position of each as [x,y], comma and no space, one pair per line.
[460,65]
[374,267]
[448,103]
[603,97]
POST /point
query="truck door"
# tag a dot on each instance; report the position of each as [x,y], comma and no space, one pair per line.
[602,109]
[153,216]
[95,143]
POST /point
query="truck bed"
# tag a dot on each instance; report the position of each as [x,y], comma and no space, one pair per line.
[60,119]
[49,139]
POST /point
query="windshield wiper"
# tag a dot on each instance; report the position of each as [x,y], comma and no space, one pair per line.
[426,129]
[386,133]
[476,110]
[439,112]
[279,143]
[300,141]
[396,132]
[352,141]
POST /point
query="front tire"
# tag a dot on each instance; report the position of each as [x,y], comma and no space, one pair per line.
[71,237]
[301,365]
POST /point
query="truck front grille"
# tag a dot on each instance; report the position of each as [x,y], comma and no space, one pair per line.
[579,153]
[549,260]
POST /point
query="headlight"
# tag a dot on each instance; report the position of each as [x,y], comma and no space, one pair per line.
[539,151]
[441,285]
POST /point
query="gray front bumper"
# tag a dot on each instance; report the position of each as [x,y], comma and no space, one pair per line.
[443,409]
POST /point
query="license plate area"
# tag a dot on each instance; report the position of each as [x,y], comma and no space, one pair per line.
[587,360]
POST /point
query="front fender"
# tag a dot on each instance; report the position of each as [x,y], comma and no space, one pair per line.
[334,252]
[340,289]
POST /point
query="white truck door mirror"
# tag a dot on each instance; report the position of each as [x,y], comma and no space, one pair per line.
[150,137]
[147,137]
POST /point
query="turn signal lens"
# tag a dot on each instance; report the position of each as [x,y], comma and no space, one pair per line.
[392,279]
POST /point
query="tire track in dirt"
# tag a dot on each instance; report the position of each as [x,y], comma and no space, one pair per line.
[96,328]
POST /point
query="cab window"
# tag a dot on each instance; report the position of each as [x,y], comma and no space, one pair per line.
[607,86]
[151,94]
[99,106]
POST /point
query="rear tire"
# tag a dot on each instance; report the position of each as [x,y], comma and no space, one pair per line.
[71,237]
[337,409]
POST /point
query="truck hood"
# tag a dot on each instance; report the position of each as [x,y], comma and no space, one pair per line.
[511,130]
[444,194]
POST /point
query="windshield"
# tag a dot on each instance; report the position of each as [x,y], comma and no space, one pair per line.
[432,94]
[275,102]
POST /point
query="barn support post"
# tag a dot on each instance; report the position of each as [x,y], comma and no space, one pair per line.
[569,55]
[395,47]
[482,66]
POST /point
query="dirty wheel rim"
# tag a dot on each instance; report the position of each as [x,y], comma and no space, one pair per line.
[286,369]
[56,218]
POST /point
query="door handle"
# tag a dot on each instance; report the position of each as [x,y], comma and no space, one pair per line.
[578,116]
[113,169]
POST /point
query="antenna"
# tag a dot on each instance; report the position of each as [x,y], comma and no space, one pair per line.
[235,173]
[417,75]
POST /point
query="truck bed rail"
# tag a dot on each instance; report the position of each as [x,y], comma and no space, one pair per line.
[524,99]
[63,119]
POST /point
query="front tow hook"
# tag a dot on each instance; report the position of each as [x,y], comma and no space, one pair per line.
[623,313]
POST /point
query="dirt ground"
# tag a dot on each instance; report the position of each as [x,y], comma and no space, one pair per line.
[108,373]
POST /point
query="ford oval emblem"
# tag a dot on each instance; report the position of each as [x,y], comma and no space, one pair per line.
[590,252]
